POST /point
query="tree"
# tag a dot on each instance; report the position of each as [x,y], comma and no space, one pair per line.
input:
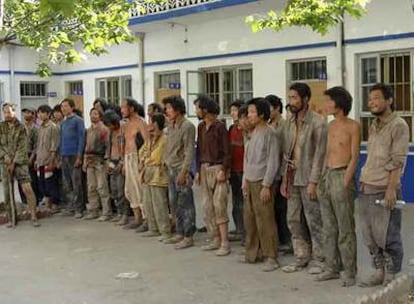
[60,30]
[320,15]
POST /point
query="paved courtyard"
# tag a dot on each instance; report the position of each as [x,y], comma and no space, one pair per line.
[69,261]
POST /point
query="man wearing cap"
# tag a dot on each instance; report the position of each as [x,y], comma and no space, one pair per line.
[14,160]
[32,131]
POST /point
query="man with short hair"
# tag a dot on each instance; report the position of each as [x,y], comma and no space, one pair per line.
[212,170]
[261,164]
[278,123]
[72,141]
[14,159]
[136,134]
[179,156]
[304,147]
[337,189]
[380,181]
[96,153]
[154,108]
[47,157]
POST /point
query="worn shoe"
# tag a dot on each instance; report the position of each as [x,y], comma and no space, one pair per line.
[316,267]
[142,228]
[326,276]
[116,218]
[388,278]
[123,221]
[375,279]
[91,216]
[78,215]
[173,240]
[210,247]
[132,225]
[35,223]
[185,243]
[347,280]
[223,251]
[164,237]
[104,218]
[294,267]
[150,234]
[270,265]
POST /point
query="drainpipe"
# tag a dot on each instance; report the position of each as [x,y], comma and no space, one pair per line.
[340,54]
[12,86]
[141,75]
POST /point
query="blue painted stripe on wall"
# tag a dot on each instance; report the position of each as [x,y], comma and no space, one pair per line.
[379,38]
[113,68]
[187,11]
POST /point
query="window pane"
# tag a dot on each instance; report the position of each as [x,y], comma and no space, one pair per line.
[228,81]
[302,70]
[228,98]
[409,121]
[365,124]
[245,80]
[294,69]
[365,93]
[398,62]
[102,89]
[407,74]
[369,70]
[245,96]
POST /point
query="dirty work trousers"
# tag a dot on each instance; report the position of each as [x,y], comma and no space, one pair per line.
[337,209]
[133,185]
[381,231]
[237,199]
[215,196]
[117,186]
[260,225]
[305,225]
[72,184]
[98,190]
[182,198]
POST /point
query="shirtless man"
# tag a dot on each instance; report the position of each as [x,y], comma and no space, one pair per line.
[337,189]
[134,127]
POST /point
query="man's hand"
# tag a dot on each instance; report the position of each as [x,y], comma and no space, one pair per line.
[311,190]
[221,176]
[197,179]
[78,162]
[265,194]
[181,179]
[244,188]
[390,198]
[283,187]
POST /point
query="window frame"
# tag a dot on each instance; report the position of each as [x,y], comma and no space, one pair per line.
[120,87]
[44,83]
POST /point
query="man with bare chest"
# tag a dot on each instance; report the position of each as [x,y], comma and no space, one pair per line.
[337,189]
[136,133]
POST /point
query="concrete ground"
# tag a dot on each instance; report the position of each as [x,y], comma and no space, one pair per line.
[68,261]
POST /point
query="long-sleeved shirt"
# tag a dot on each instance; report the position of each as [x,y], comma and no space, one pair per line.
[387,150]
[72,136]
[236,141]
[213,145]
[32,132]
[311,142]
[47,143]
[179,147]
[155,169]
[279,129]
[13,142]
[261,158]
[97,141]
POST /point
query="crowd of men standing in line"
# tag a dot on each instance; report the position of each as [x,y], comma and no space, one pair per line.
[292,180]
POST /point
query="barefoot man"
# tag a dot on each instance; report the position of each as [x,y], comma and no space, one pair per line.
[135,131]
[337,189]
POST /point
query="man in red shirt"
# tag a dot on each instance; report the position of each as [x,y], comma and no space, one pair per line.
[236,142]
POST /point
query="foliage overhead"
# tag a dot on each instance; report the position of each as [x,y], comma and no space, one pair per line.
[319,15]
[60,30]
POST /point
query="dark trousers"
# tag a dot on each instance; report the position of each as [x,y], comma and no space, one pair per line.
[181,199]
[72,184]
[236,179]
[49,186]
[281,216]
[117,186]
[381,230]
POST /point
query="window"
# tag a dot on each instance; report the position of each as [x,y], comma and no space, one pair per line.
[226,84]
[167,84]
[32,89]
[113,89]
[308,70]
[394,69]
[75,88]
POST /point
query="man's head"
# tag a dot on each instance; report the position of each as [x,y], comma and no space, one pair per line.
[258,111]
[112,120]
[101,104]
[130,106]
[276,106]
[9,112]
[381,99]
[57,113]
[299,96]
[244,123]
[29,114]
[154,108]
[205,105]
[338,100]
[174,107]
[44,112]
[234,109]
[95,115]
[157,124]
[67,106]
